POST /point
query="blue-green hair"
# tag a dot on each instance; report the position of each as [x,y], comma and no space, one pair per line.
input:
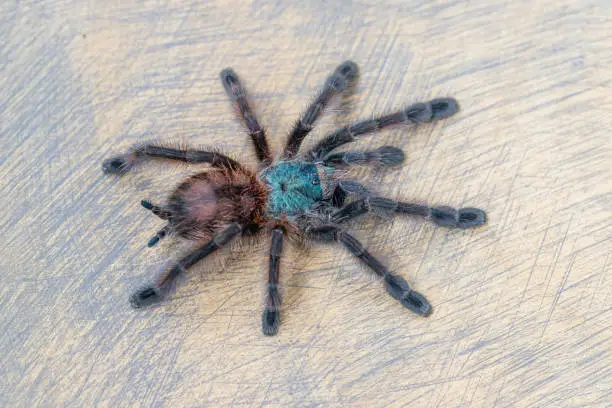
[295,187]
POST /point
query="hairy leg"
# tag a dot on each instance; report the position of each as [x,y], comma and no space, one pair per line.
[152,294]
[444,216]
[383,156]
[123,163]
[395,285]
[271,315]
[436,109]
[336,83]
[236,90]
[345,189]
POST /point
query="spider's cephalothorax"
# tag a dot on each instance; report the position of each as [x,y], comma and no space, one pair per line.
[295,195]
[294,187]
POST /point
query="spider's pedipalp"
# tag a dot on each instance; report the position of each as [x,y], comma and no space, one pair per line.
[352,187]
[345,189]
[338,197]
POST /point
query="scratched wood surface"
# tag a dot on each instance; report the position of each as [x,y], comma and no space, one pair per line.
[521,307]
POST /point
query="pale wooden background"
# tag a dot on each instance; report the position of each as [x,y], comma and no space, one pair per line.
[522,306]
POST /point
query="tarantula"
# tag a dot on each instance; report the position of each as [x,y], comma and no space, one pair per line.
[291,196]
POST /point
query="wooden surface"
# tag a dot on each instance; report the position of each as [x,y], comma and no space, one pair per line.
[521,307]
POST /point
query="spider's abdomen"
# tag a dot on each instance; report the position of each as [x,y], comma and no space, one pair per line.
[207,202]
[294,187]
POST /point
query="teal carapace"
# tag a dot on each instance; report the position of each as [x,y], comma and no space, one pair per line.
[295,187]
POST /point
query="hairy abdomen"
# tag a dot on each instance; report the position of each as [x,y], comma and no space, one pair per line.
[207,202]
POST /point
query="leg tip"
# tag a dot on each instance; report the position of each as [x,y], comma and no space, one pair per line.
[470,218]
[416,303]
[116,165]
[463,218]
[229,78]
[443,108]
[270,321]
[343,76]
[348,69]
[145,297]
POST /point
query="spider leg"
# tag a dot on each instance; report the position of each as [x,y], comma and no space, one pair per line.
[156,209]
[344,189]
[123,163]
[444,216]
[383,156]
[336,83]
[152,294]
[395,285]
[433,110]
[236,90]
[271,315]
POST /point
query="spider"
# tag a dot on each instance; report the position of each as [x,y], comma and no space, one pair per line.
[294,196]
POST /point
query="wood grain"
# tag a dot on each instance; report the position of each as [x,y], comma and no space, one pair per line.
[521,307]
